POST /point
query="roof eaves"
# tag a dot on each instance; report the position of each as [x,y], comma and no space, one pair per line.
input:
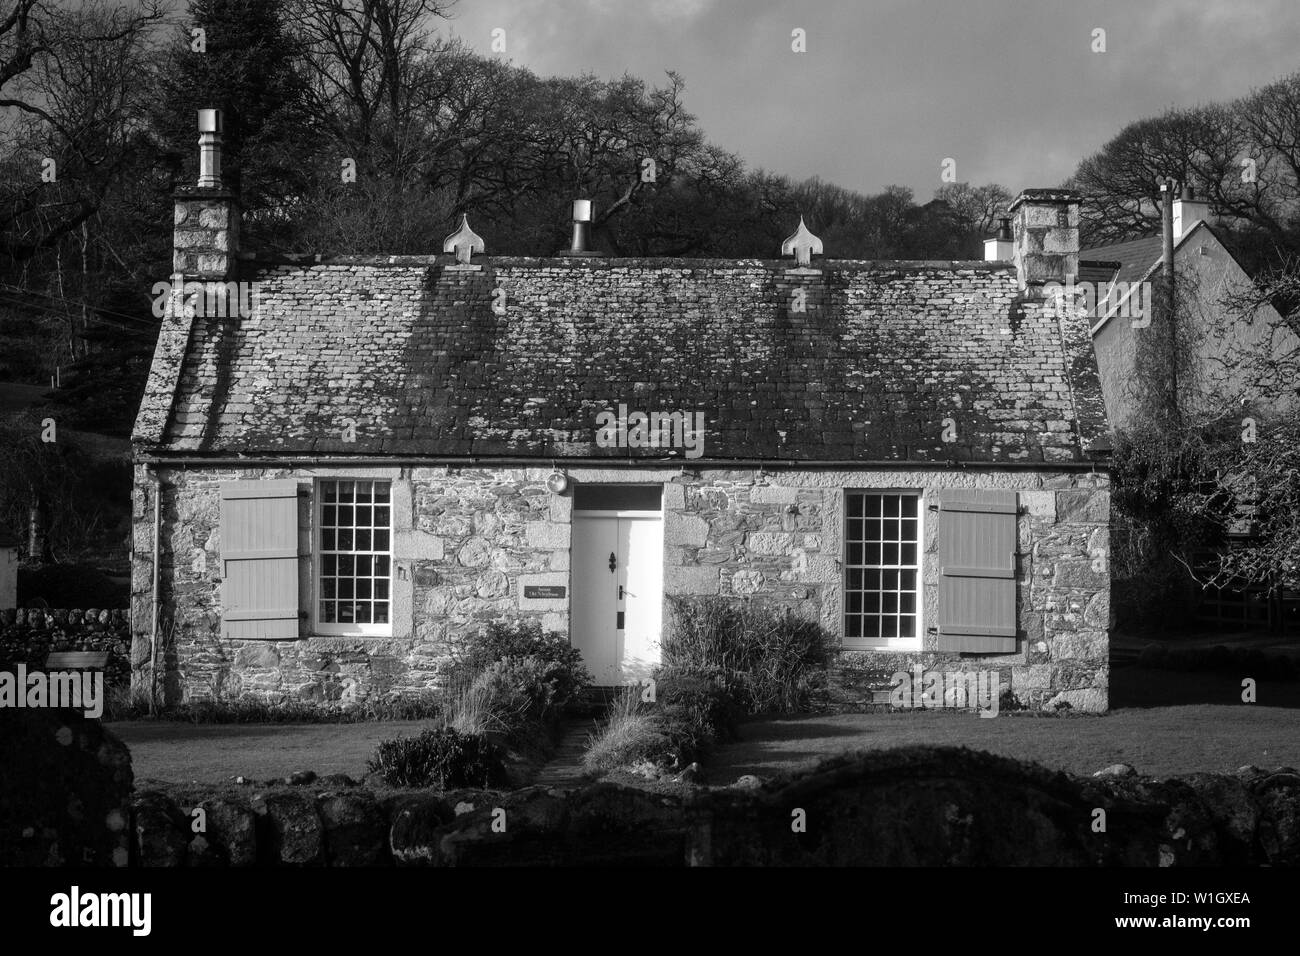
[1155,265]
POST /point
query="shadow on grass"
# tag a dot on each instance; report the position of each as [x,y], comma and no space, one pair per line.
[1141,687]
[763,745]
[783,761]
[169,731]
[797,728]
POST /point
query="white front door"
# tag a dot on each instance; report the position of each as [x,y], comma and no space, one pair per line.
[617,602]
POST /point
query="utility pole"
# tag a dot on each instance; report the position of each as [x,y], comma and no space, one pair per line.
[1167,224]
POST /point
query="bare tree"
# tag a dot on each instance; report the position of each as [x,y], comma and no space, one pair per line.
[977,207]
[68,78]
[368,76]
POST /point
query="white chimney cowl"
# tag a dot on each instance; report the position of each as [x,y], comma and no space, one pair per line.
[1000,248]
[210,149]
[580,244]
[1188,211]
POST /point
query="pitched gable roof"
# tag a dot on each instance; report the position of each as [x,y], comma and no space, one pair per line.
[1133,262]
[412,351]
[1135,258]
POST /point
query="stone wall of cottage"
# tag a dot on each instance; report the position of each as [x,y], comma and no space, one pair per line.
[469,540]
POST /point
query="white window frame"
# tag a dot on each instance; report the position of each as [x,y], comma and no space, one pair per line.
[916,641]
[334,627]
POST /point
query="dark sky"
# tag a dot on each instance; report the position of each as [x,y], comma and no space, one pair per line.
[1009,89]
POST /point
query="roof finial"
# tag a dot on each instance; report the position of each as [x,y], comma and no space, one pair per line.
[464,241]
[802,245]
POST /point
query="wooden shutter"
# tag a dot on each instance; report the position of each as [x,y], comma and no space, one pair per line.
[259,557]
[977,571]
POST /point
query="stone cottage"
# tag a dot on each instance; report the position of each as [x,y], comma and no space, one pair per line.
[343,466]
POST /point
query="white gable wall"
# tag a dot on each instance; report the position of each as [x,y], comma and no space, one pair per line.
[1218,339]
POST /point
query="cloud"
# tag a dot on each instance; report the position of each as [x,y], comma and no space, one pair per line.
[1009,88]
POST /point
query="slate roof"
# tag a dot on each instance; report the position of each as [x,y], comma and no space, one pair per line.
[1135,257]
[412,351]
[1098,272]
[1132,261]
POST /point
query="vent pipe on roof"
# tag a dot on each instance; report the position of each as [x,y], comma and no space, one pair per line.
[1167,229]
[581,226]
[1188,211]
[580,244]
[1000,248]
[1169,298]
[210,128]
[205,221]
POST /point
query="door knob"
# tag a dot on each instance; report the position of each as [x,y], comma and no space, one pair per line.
[620,592]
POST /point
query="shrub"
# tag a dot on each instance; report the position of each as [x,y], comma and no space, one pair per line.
[1009,702]
[421,706]
[124,704]
[691,713]
[631,735]
[697,709]
[769,660]
[525,687]
[512,696]
[444,758]
[471,710]
[508,696]
[562,671]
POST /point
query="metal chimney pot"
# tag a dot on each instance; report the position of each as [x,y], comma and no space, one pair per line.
[581,241]
[210,149]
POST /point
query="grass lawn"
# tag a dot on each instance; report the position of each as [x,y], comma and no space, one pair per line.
[181,752]
[1162,722]
[1161,741]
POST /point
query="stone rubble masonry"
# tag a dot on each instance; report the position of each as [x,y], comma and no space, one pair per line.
[469,538]
[908,806]
[205,233]
[1046,230]
[29,635]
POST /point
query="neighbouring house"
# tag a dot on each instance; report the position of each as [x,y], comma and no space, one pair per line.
[377,455]
[1215,334]
[8,571]
[1219,338]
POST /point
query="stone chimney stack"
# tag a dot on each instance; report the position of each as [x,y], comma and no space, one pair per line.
[205,237]
[1188,211]
[1045,237]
